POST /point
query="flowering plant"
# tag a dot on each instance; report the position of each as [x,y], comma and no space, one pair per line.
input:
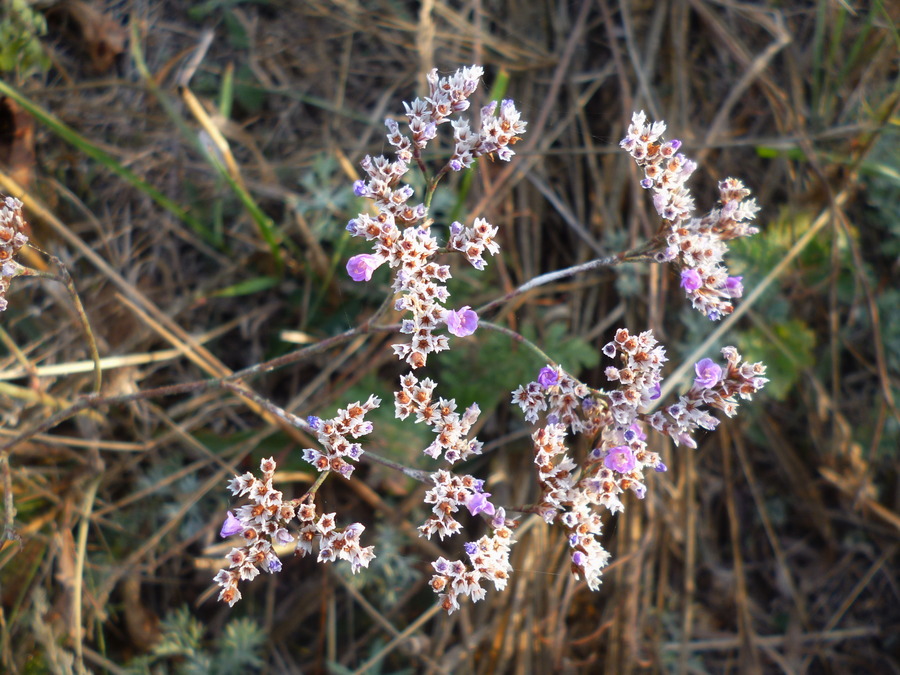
[615,416]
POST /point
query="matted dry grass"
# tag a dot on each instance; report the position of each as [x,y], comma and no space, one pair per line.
[771,548]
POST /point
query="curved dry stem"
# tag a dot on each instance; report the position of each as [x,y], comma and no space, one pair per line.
[597,263]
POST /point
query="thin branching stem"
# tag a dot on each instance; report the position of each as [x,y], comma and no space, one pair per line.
[598,263]
[518,337]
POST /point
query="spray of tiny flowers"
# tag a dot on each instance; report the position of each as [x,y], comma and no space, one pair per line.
[615,416]
[12,238]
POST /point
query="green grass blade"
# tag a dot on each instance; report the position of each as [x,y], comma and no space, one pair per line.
[84,145]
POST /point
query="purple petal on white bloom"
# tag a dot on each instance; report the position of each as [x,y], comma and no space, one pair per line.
[274,565]
[578,558]
[313,422]
[655,392]
[470,547]
[231,526]
[620,459]
[636,428]
[690,279]
[462,322]
[661,467]
[456,165]
[478,503]
[708,373]
[733,287]
[360,267]
[548,377]
[282,536]
[359,188]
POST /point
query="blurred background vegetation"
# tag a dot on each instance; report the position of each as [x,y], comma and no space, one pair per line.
[191,164]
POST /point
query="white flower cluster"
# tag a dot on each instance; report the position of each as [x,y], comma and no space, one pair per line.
[12,238]
[451,428]
[697,243]
[334,544]
[620,457]
[333,433]
[556,470]
[714,388]
[401,233]
[448,494]
[568,401]
[263,524]
[642,359]
[474,241]
[489,557]
[496,135]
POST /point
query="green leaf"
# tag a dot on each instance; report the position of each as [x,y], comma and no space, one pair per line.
[787,349]
[247,287]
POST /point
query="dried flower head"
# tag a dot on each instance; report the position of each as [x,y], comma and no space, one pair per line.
[697,245]
[12,238]
[401,233]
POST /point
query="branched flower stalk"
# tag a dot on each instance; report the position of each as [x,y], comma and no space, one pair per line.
[574,492]
[615,418]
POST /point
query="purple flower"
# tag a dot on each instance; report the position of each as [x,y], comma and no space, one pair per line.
[456,165]
[231,526]
[708,374]
[655,392]
[690,279]
[313,422]
[462,322]
[360,267]
[579,559]
[274,565]
[479,503]
[359,188]
[620,459]
[548,377]
[471,547]
[733,287]
[282,536]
